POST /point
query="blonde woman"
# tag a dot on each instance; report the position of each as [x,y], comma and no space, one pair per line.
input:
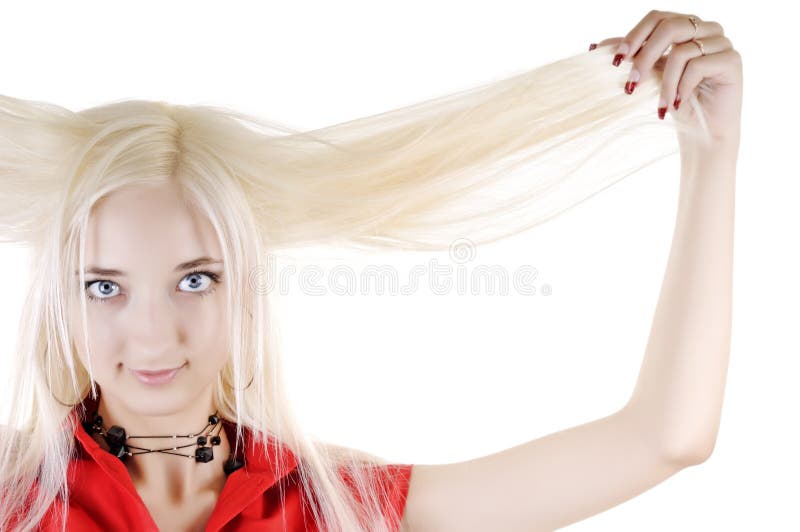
[148,384]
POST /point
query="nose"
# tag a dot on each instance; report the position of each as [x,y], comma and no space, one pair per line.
[154,330]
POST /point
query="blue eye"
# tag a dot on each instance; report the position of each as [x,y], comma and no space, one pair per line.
[204,281]
[106,287]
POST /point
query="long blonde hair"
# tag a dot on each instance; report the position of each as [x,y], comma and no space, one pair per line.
[483,163]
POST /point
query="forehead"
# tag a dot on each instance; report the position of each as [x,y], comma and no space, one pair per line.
[147,224]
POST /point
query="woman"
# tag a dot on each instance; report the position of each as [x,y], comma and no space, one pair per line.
[150,390]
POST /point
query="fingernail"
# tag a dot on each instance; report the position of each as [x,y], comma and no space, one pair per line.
[633,78]
[622,49]
[662,108]
[677,102]
[592,46]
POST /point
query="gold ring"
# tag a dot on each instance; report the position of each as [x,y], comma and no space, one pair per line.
[700,44]
[695,22]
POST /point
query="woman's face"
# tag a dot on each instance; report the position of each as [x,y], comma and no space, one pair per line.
[153,313]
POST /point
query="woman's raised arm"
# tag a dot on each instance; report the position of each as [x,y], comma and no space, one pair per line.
[672,418]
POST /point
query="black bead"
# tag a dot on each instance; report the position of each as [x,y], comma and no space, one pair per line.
[201,440]
[115,436]
[120,451]
[204,454]
[231,465]
[213,419]
[216,440]
[97,419]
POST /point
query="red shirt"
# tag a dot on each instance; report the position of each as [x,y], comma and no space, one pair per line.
[103,497]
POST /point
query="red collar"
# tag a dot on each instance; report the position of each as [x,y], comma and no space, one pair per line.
[242,487]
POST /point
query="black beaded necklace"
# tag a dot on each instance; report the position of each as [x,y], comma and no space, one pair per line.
[116,439]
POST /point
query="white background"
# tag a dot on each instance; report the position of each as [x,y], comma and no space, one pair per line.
[427,378]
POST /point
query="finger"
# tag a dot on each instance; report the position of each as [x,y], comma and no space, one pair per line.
[676,67]
[646,31]
[637,36]
[605,42]
[707,66]
[667,33]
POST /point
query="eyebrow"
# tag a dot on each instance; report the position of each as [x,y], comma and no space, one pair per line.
[201,261]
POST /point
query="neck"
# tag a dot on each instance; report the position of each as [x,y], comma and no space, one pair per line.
[175,478]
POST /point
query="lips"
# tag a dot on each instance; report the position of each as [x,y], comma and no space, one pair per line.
[156,377]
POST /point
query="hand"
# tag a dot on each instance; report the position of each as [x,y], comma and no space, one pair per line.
[661,43]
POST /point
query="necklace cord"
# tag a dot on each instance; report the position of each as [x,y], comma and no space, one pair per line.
[117,441]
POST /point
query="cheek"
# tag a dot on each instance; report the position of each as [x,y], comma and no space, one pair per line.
[206,329]
[103,337]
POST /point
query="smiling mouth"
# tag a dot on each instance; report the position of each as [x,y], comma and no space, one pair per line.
[155,371]
[156,377]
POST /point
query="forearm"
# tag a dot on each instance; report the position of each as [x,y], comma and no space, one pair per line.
[680,387]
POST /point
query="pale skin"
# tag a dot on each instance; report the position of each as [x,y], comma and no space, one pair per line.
[154,318]
[672,418]
[670,422]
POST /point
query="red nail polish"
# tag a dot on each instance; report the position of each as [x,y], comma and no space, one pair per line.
[618,59]
[677,102]
[662,111]
[629,86]
[592,46]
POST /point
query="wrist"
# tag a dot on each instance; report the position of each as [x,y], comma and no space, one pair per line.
[721,155]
